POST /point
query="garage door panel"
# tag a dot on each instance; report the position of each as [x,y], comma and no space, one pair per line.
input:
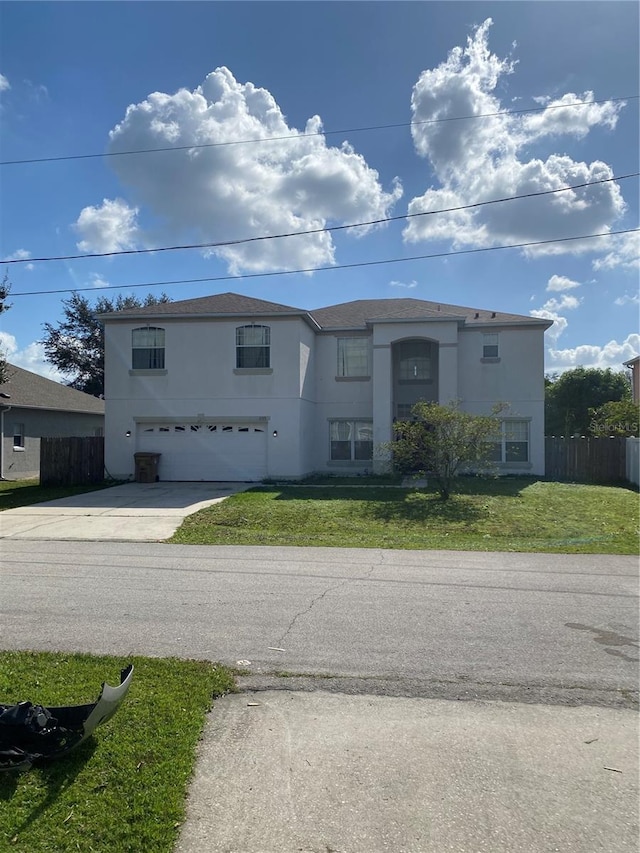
[209,451]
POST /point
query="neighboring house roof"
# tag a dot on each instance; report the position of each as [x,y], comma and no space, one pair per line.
[346,315]
[29,390]
[633,362]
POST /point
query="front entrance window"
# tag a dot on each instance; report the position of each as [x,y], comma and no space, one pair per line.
[414,361]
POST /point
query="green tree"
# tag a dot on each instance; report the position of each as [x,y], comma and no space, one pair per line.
[440,441]
[621,417]
[570,396]
[5,287]
[76,344]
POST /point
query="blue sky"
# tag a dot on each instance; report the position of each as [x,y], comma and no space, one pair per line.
[95,77]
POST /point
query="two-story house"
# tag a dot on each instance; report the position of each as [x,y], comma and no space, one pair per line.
[228,387]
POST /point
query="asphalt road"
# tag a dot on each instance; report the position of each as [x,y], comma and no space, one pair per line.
[555,629]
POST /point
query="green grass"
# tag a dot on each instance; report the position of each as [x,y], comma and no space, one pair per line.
[16,493]
[123,790]
[509,514]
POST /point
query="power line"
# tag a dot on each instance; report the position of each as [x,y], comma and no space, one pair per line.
[326,268]
[243,240]
[299,136]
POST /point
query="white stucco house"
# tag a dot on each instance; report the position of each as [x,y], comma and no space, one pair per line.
[228,387]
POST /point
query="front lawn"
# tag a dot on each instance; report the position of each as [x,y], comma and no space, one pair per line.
[509,514]
[16,493]
[123,790]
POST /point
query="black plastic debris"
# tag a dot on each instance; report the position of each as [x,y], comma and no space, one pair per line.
[31,732]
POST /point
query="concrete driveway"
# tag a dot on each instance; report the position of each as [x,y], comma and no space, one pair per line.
[133,512]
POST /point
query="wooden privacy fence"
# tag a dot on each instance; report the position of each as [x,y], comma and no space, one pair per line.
[585,460]
[71,461]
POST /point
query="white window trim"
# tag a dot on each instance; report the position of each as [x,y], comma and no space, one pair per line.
[352,460]
[156,349]
[18,430]
[265,345]
[503,462]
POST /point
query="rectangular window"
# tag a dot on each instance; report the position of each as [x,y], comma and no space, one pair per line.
[147,349]
[353,357]
[511,442]
[351,440]
[18,435]
[490,346]
[253,346]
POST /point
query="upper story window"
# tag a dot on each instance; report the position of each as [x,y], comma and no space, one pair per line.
[253,346]
[147,348]
[414,361]
[490,346]
[353,357]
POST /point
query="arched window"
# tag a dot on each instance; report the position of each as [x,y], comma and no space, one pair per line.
[253,346]
[147,348]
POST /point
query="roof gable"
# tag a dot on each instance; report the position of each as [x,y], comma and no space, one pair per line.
[233,304]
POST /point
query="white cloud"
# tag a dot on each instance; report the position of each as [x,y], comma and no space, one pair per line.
[624,252]
[229,192]
[483,159]
[561,118]
[108,228]
[96,279]
[611,355]
[4,83]
[559,283]
[628,299]
[18,255]
[566,302]
[552,306]
[559,323]
[409,285]
[30,357]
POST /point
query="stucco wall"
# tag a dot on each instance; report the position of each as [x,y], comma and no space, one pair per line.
[516,380]
[200,379]
[24,463]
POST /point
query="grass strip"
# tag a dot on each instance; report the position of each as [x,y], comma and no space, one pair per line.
[514,514]
[123,790]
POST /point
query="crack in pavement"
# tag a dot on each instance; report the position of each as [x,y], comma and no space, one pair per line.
[318,598]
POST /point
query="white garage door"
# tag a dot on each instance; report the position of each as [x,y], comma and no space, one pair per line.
[207,451]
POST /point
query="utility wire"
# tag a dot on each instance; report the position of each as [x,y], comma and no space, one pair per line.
[325,268]
[222,243]
[298,136]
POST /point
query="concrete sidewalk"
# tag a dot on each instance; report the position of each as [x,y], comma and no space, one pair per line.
[285,772]
[133,512]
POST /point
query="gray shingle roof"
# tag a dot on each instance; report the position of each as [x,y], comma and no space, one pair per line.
[349,315]
[346,315]
[30,391]
[220,303]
